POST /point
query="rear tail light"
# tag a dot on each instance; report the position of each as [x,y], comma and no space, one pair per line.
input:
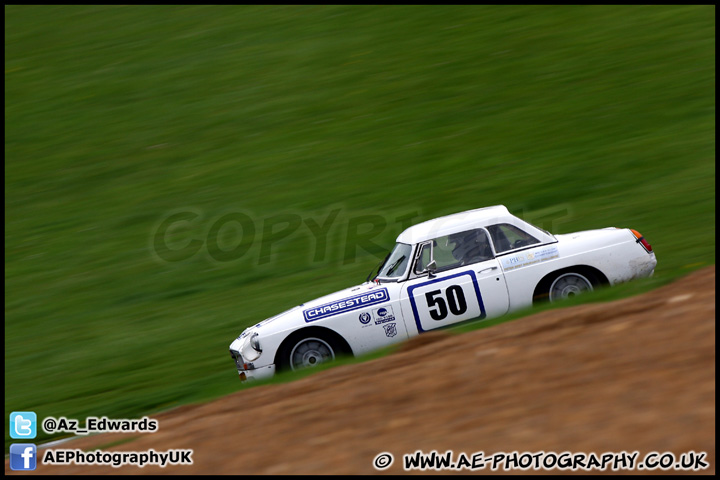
[641,240]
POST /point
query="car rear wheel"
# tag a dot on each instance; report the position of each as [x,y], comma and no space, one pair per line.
[568,285]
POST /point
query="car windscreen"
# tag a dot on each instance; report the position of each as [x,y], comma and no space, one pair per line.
[397,263]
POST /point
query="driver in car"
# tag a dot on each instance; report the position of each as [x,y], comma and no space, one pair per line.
[471,247]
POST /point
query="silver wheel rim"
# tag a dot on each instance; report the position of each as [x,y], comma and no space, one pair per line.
[569,285]
[310,352]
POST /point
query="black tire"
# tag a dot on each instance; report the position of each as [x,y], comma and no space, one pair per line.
[309,349]
[568,282]
[568,285]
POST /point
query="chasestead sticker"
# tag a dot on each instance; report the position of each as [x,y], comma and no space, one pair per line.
[346,305]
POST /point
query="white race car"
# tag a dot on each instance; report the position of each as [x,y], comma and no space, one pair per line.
[472,265]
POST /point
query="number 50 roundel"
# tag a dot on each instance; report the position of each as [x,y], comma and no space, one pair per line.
[447,300]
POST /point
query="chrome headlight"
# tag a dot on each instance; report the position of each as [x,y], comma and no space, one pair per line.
[251,349]
[255,342]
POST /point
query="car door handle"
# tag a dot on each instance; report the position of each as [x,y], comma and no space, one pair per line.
[487,269]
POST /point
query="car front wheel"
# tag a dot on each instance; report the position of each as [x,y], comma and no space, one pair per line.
[310,352]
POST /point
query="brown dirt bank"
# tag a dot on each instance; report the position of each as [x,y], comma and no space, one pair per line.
[632,375]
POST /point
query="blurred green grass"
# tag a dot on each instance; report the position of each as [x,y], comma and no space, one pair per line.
[117,115]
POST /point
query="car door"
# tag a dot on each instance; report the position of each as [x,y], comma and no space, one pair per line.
[466,286]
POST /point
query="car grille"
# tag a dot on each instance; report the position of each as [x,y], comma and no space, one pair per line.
[237,358]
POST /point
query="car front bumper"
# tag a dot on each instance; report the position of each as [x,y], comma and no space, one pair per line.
[256,373]
[247,370]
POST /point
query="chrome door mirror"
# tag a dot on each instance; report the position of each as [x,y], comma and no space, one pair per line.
[431,268]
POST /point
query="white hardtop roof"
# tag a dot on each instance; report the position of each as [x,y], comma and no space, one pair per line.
[460,222]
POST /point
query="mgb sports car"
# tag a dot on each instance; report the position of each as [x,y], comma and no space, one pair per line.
[469,266]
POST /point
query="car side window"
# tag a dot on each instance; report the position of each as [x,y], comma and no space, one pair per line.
[455,250]
[509,237]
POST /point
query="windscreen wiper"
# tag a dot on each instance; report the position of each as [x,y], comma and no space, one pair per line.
[377,267]
[395,265]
